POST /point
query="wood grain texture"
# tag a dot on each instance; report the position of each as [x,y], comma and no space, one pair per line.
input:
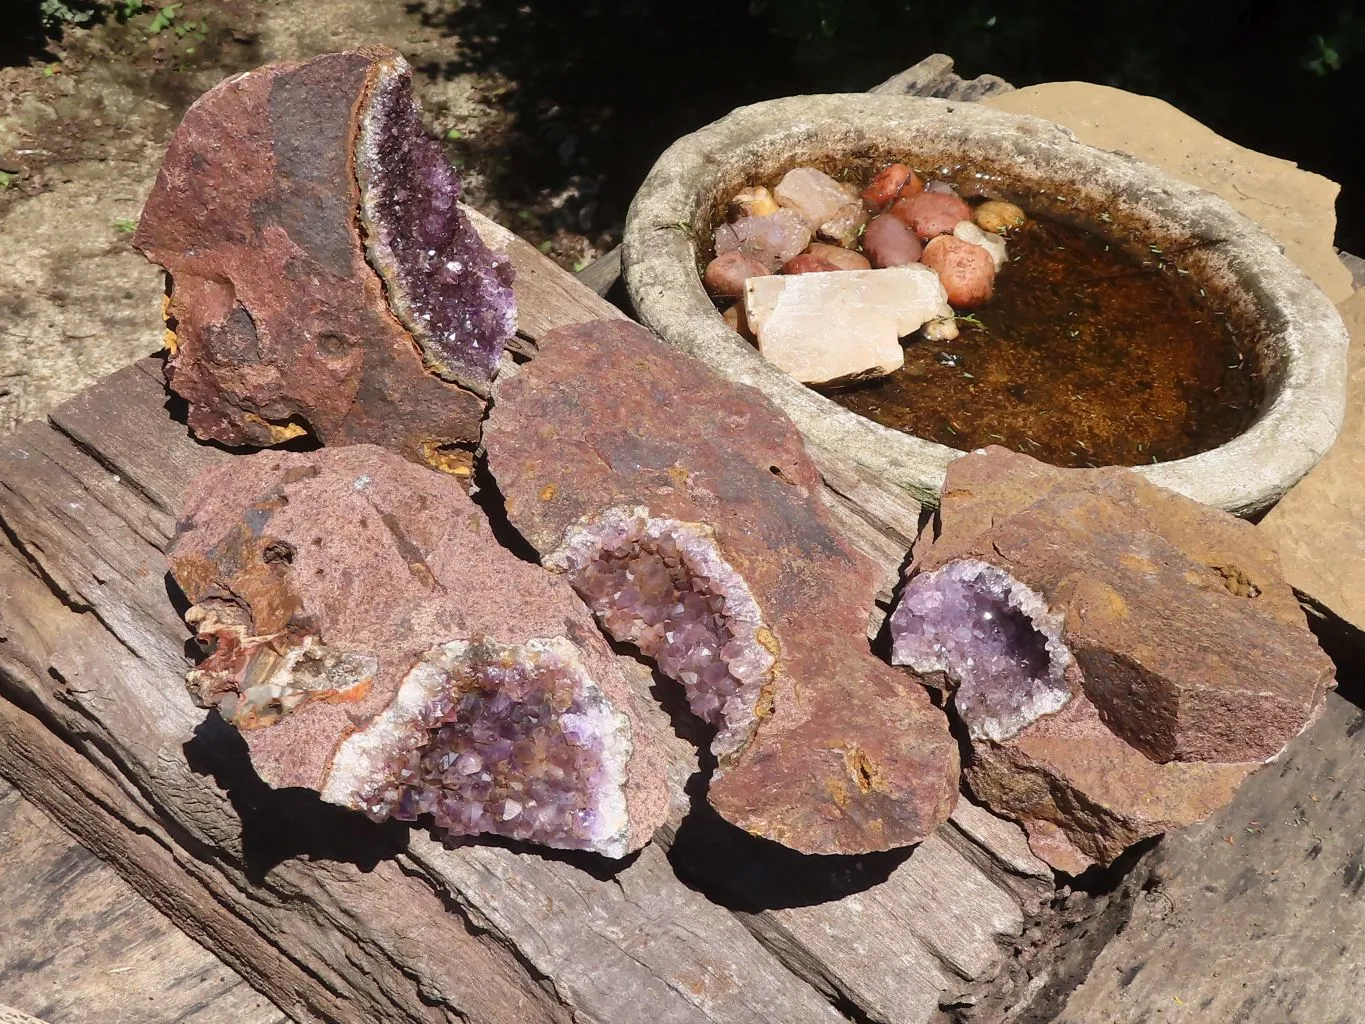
[934,76]
[79,946]
[9,1015]
[339,919]
[1256,915]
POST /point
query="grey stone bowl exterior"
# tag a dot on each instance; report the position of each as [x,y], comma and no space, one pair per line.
[1294,330]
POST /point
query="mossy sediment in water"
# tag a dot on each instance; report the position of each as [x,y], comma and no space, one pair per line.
[1086,356]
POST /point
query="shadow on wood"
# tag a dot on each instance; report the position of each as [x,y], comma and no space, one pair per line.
[285,824]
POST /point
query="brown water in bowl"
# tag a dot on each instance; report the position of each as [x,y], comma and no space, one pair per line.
[1085,356]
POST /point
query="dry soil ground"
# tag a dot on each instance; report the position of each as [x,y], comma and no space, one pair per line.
[82,130]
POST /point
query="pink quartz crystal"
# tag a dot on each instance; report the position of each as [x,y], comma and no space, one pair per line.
[375,643]
[684,510]
[771,240]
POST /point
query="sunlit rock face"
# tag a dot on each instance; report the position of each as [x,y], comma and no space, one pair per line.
[992,636]
[1142,653]
[450,291]
[685,511]
[374,642]
[277,324]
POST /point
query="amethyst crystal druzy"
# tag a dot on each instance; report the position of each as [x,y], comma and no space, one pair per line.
[1122,657]
[277,323]
[686,513]
[443,283]
[373,642]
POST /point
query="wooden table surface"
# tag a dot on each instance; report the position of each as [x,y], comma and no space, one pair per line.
[337,919]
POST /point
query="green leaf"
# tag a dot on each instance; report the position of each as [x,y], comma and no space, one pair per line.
[454,133]
[6,179]
[125,225]
[546,246]
[164,19]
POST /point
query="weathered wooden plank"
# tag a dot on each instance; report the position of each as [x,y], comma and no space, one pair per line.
[144,462]
[208,869]
[934,76]
[603,273]
[1256,915]
[370,918]
[79,946]
[548,296]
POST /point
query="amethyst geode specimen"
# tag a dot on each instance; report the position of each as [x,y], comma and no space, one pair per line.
[685,511]
[322,277]
[1121,656]
[374,642]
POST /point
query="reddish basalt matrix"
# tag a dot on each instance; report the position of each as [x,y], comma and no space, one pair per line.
[1120,656]
[374,642]
[685,511]
[322,277]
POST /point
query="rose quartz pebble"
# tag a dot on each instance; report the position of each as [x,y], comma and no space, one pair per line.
[772,240]
[932,213]
[846,225]
[725,275]
[808,263]
[966,270]
[892,182]
[887,242]
[813,195]
[843,259]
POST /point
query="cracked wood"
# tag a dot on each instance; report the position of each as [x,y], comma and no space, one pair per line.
[334,917]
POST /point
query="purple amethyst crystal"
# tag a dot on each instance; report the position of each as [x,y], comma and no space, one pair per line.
[993,637]
[662,585]
[512,740]
[375,643]
[444,284]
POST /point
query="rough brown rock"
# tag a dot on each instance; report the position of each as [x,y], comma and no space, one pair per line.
[608,437]
[1177,658]
[1319,526]
[341,592]
[277,324]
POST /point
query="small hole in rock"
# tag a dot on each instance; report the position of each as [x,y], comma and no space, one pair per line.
[277,551]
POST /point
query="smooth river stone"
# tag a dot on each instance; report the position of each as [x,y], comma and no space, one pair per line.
[833,327]
[375,643]
[278,324]
[686,512]
[1121,656]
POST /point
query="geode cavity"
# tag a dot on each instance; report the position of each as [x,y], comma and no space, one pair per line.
[686,513]
[374,642]
[323,278]
[1121,656]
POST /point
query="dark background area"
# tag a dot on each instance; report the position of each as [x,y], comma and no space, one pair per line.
[624,79]
[602,87]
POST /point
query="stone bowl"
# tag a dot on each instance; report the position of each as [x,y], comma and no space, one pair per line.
[1299,342]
